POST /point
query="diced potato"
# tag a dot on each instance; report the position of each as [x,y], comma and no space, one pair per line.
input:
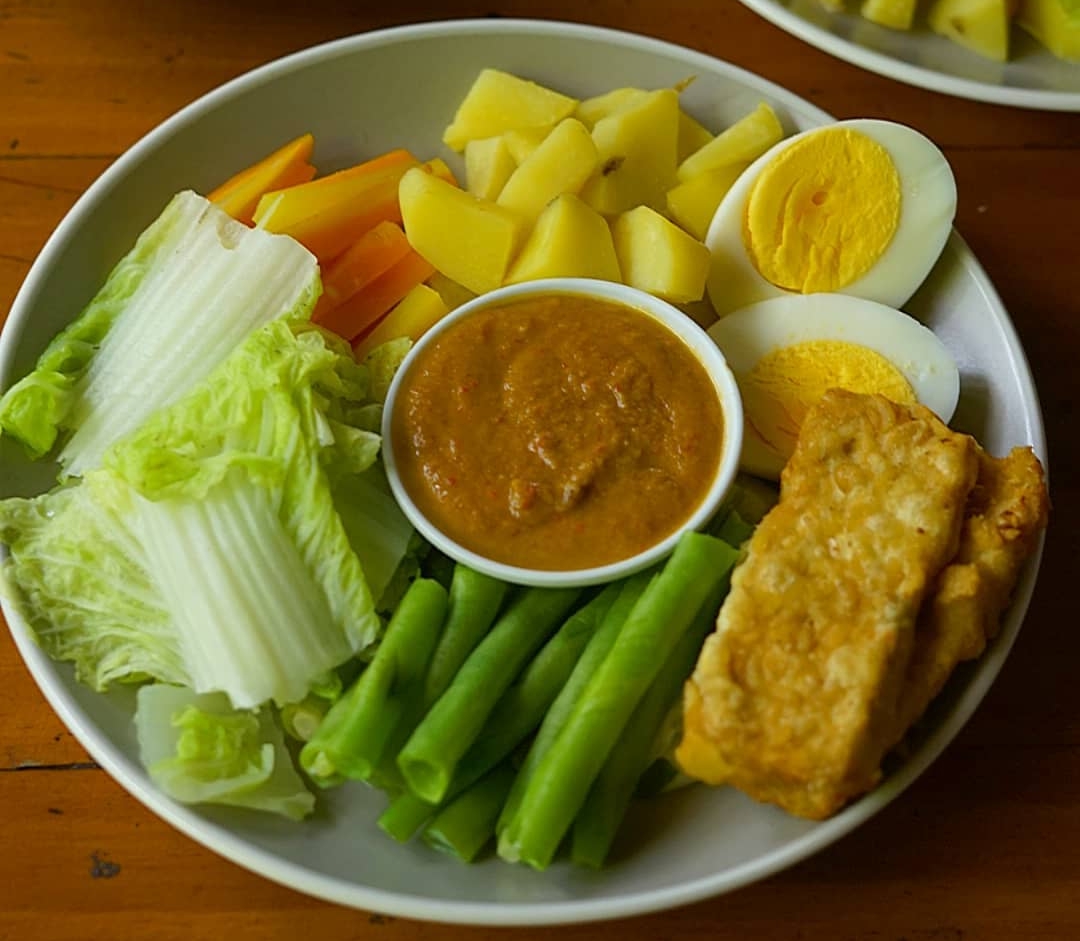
[655,255]
[468,239]
[692,136]
[569,240]
[452,293]
[638,149]
[1048,22]
[523,142]
[412,317]
[596,109]
[693,204]
[980,25]
[499,102]
[561,164]
[746,139]
[488,165]
[441,169]
[896,14]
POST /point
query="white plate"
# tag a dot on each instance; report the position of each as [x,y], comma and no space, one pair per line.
[361,96]
[1033,78]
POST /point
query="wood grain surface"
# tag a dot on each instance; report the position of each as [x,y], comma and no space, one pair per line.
[986,845]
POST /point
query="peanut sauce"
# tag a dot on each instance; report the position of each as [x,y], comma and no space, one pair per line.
[557,432]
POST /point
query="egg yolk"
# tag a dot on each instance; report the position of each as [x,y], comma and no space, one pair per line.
[784,384]
[822,213]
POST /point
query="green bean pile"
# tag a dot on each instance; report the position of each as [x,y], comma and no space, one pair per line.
[526,717]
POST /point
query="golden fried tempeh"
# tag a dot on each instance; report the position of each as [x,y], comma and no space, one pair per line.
[1006,511]
[794,696]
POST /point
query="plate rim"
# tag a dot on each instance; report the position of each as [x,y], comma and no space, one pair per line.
[891,67]
[221,840]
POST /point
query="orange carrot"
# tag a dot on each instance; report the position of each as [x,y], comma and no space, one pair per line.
[376,251]
[287,166]
[330,214]
[328,232]
[287,206]
[366,306]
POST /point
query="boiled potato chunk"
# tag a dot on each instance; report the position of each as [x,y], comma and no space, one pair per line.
[979,25]
[468,239]
[488,165]
[569,240]
[655,255]
[896,14]
[1048,22]
[561,164]
[499,102]
[592,110]
[412,317]
[524,141]
[746,139]
[693,204]
[638,148]
[693,135]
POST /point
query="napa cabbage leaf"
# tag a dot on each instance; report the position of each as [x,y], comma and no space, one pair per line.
[194,285]
[236,542]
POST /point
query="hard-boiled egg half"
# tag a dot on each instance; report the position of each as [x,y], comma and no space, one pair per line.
[859,207]
[785,353]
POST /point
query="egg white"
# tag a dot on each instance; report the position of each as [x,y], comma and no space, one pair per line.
[747,335]
[927,210]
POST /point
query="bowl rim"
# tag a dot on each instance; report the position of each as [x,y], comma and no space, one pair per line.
[223,841]
[689,333]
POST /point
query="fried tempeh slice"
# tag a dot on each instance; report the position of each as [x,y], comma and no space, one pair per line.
[794,695]
[1006,511]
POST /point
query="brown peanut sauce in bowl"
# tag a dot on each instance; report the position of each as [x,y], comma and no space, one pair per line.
[555,431]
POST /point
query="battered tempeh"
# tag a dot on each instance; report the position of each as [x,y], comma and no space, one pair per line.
[794,696]
[1006,511]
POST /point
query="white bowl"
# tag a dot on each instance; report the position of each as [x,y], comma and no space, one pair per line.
[360,96]
[708,354]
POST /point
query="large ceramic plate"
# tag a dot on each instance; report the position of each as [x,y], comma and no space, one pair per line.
[360,96]
[1032,78]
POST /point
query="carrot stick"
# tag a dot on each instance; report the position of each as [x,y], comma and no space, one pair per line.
[328,215]
[287,166]
[328,233]
[375,252]
[288,205]
[364,308]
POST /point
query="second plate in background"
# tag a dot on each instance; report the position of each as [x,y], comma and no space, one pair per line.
[1033,78]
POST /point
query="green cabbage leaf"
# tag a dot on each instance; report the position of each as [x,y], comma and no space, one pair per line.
[237,542]
[195,284]
[199,749]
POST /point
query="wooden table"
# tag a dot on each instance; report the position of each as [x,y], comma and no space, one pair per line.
[985,845]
